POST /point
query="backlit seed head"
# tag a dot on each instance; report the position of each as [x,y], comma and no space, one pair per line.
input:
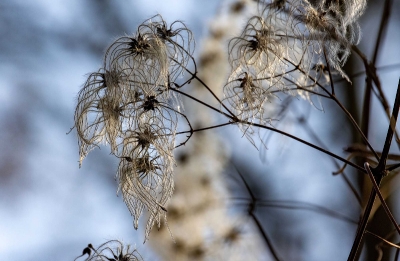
[128,104]
[258,48]
[146,183]
[113,250]
[97,115]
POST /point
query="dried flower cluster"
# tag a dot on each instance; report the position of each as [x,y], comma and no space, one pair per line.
[128,104]
[112,250]
[288,48]
[131,102]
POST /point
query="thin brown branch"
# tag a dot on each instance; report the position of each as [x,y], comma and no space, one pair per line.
[252,213]
[383,240]
[194,75]
[333,97]
[236,120]
[201,102]
[329,71]
[383,202]
[392,127]
[306,143]
[206,128]
[314,135]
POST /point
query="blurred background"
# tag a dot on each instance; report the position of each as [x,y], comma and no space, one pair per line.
[50,209]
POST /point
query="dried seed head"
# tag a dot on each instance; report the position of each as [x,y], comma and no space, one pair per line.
[179,41]
[138,46]
[249,97]
[97,115]
[331,28]
[259,48]
[277,4]
[146,183]
[142,57]
[128,105]
[112,250]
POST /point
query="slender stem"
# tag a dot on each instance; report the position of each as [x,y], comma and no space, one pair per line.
[384,205]
[252,214]
[381,35]
[295,205]
[298,205]
[361,227]
[236,120]
[392,127]
[213,94]
[333,97]
[306,143]
[210,91]
[265,236]
[201,102]
[382,28]
[380,68]
[320,142]
[366,107]
[298,87]
[329,71]
[371,72]
[206,128]
[384,240]
[393,167]
[190,131]
[356,125]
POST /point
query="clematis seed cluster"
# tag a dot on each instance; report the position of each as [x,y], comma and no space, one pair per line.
[128,105]
[288,48]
